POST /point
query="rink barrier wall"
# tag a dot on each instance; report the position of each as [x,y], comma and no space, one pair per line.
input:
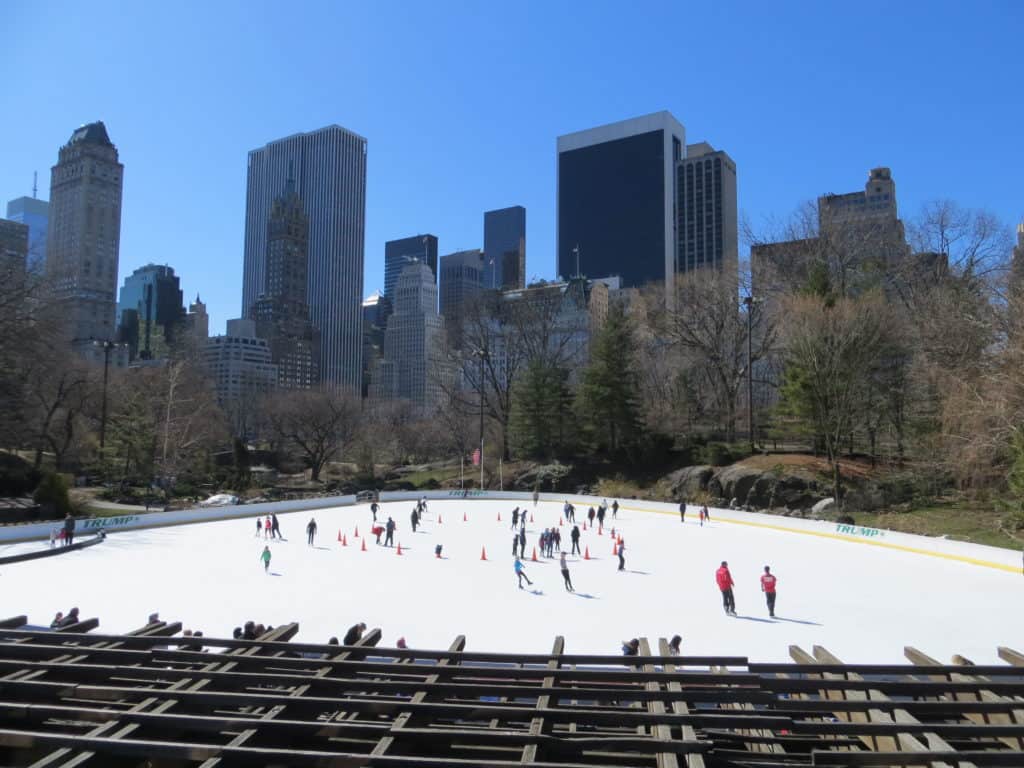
[1006,560]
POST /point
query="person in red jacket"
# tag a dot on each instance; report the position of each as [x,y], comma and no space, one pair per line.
[725,583]
[768,587]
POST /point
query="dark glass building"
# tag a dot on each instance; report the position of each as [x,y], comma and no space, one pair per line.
[617,200]
[398,254]
[505,248]
[707,224]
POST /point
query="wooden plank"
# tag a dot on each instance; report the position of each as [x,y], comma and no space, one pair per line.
[680,708]
[543,702]
[662,733]
[1010,656]
[13,622]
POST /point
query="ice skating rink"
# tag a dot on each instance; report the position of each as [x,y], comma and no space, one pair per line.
[862,602]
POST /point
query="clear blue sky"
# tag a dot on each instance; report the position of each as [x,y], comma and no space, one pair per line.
[461,103]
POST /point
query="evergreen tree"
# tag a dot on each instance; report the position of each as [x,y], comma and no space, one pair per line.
[609,394]
[542,420]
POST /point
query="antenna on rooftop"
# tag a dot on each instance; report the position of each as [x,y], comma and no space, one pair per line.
[35,186]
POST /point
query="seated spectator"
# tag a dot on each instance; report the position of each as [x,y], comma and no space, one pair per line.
[154,617]
[249,633]
[237,633]
[71,618]
[333,641]
[354,634]
[57,620]
[631,648]
[673,645]
[401,643]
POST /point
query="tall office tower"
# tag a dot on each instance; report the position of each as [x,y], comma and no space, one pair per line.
[150,309]
[505,248]
[329,169]
[373,335]
[413,340]
[84,234]
[241,367]
[35,214]
[398,254]
[281,312]
[14,240]
[707,223]
[617,200]
[461,280]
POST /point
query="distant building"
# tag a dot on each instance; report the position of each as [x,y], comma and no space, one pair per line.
[373,336]
[150,303]
[398,254]
[413,342]
[240,365]
[329,169]
[707,228]
[14,240]
[281,312]
[617,200]
[197,321]
[35,214]
[505,248]
[461,282]
[84,233]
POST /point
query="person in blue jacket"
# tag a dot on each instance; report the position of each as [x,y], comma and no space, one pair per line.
[521,573]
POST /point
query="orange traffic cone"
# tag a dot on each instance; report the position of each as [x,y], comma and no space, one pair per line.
[615,548]
[560,522]
[613,531]
[483,553]
[620,540]
[339,534]
[584,525]
[600,530]
[356,534]
[344,541]
[534,558]
[531,517]
[586,553]
[364,545]
[399,550]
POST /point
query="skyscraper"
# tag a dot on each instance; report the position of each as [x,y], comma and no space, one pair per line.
[398,254]
[505,248]
[461,276]
[84,233]
[14,239]
[281,312]
[617,200]
[35,214]
[151,299]
[707,216]
[329,169]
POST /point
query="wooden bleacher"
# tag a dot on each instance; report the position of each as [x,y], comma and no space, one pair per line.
[79,698]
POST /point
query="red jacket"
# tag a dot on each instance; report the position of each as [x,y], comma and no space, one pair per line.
[724,578]
[768,583]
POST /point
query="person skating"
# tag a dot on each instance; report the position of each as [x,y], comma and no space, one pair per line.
[565,573]
[725,584]
[768,587]
[558,539]
[515,517]
[705,516]
[354,634]
[600,515]
[266,527]
[275,527]
[622,555]
[682,511]
[522,542]
[310,531]
[389,531]
[69,530]
[415,518]
[373,508]
[515,544]
[521,573]
[522,523]
[590,516]
[615,509]
[259,526]
[575,536]
[542,542]
[536,496]
[265,557]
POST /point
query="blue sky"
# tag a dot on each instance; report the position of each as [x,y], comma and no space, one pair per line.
[461,103]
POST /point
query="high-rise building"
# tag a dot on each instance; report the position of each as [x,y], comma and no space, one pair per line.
[373,335]
[281,312]
[329,169]
[35,214]
[150,302]
[14,240]
[461,281]
[398,254]
[240,365]
[617,200]
[197,322]
[505,248]
[412,359]
[707,223]
[84,233]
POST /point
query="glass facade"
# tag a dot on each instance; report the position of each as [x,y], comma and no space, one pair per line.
[34,214]
[398,254]
[611,205]
[505,248]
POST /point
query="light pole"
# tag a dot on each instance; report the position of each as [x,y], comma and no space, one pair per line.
[107,346]
[748,302]
[482,354]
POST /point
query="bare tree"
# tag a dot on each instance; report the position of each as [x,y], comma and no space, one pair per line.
[317,424]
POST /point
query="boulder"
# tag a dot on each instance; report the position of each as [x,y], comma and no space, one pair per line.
[735,482]
[687,482]
[542,477]
[824,507]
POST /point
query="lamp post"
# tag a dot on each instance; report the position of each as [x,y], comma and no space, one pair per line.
[107,346]
[748,302]
[482,354]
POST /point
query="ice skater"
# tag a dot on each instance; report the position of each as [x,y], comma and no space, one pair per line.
[601,510]
[415,518]
[515,544]
[373,508]
[575,536]
[590,516]
[536,496]
[310,531]
[565,573]
[69,530]
[622,555]
[389,530]
[265,557]
[705,516]
[725,584]
[768,587]
[615,509]
[515,517]
[259,526]
[682,511]
[275,527]
[522,542]
[266,527]
[521,573]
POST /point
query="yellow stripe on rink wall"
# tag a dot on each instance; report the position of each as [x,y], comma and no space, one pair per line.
[852,539]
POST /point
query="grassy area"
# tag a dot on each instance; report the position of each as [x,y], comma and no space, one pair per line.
[961,520]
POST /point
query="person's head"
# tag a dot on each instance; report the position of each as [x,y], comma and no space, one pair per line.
[675,641]
[73,611]
[725,564]
[59,616]
[767,569]
[197,633]
[236,633]
[401,643]
[362,627]
[188,633]
[333,641]
[154,617]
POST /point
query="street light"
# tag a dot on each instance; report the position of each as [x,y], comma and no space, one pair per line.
[748,302]
[482,354]
[107,346]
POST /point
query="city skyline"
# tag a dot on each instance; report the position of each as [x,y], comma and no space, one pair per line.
[440,172]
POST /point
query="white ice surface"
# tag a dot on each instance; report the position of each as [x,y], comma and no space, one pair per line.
[863,603]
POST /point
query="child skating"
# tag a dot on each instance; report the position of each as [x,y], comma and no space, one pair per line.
[521,573]
[265,557]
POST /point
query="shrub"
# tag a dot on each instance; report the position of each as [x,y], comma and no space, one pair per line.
[17,476]
[717,454]
[52,496]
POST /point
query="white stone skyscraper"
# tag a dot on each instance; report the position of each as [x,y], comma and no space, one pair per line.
[329,171]
[84,235]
